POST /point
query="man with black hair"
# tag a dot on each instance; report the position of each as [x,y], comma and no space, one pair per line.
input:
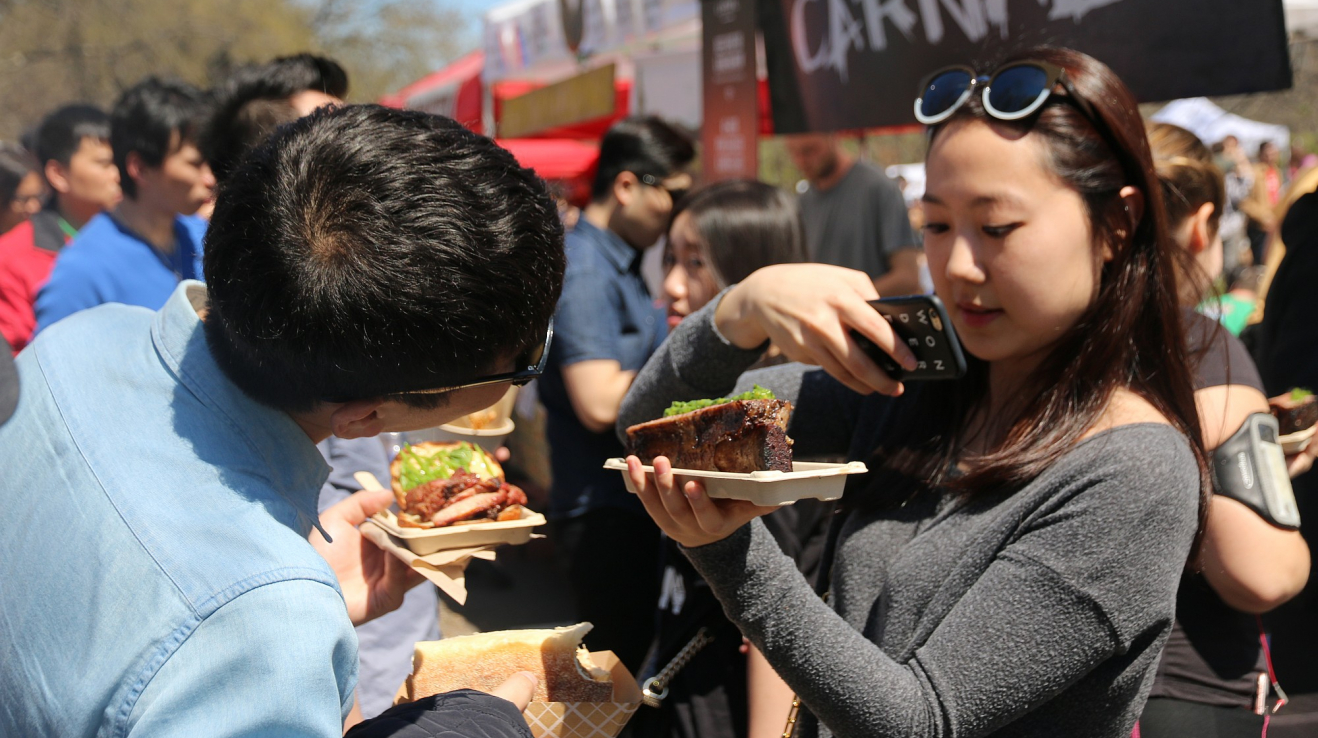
[607,325]
[367,270]
[258,98]
[137,253]
[72,146]
[249,106]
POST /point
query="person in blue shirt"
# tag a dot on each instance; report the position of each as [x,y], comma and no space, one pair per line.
[137,253]
[606,326]
[367,270]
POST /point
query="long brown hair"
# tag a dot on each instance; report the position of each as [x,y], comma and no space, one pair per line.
[1130,336]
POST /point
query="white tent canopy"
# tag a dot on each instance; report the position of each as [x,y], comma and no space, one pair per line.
[1211,124]
[1302,17]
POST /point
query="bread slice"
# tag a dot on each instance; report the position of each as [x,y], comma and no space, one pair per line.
[740,436]
[485,660]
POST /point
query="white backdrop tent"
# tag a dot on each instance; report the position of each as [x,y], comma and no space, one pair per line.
[1302,17]
[1212,124]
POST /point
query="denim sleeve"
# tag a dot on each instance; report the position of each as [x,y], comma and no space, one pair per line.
[279,660]
[71,288]
[587,324]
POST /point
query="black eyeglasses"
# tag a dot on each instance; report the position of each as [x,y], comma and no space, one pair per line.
[649,180]
[534,361]
[1011,92]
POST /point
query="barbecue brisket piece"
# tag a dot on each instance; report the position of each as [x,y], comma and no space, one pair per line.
[740,436]
[1294,415]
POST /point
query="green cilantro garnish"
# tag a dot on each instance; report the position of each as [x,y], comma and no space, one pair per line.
[677,408]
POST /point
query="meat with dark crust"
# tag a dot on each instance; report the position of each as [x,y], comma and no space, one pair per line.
[740,436]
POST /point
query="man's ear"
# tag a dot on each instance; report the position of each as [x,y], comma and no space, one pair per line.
[135,167]
[626,188]
[357,419]
[57,176]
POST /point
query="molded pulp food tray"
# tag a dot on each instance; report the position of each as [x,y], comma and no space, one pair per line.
[1293,443]
[424,541]
[807,479]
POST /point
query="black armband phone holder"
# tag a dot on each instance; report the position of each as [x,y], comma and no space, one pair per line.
[1250,468]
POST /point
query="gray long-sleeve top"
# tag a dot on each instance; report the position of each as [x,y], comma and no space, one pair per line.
[1039,612]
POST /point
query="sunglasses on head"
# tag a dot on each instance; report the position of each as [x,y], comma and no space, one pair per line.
[1011,92]
[533,360]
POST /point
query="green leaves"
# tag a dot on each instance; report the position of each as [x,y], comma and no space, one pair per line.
[415,469]
[756,393]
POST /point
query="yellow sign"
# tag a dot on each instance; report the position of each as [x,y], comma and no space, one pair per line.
[587,96]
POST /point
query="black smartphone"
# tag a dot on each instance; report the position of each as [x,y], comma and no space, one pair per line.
[921,321]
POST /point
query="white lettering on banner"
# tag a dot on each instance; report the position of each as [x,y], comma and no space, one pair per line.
[844,31]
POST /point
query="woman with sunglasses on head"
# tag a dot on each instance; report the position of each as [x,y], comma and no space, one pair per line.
[1213,674]
[1010,564]
[718,236]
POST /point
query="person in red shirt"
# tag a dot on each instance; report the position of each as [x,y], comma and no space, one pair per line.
[73,147]
[22,188]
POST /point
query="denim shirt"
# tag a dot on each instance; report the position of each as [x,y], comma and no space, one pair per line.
[155,577]
[605,312]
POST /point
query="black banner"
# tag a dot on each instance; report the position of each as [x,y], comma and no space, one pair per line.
[843,64]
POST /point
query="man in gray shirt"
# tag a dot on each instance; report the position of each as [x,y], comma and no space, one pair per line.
[855,215]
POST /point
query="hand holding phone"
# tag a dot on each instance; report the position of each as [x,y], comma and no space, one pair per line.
[921,322]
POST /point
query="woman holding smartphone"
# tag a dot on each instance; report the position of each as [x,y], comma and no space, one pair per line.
[1010,564]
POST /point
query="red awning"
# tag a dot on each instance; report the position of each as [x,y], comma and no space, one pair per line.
[454,91]
[566,164]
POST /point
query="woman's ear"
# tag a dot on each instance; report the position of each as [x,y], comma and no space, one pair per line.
[1199,236]
[1133,201]
[1132,212]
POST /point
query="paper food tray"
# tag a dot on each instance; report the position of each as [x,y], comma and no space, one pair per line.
[581,719]
[806,480]
[1293,443]
[425,541]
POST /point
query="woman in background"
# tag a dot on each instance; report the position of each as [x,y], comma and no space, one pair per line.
[1212,678]
[22,187]
[718,236]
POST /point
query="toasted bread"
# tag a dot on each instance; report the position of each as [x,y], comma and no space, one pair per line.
[485,660]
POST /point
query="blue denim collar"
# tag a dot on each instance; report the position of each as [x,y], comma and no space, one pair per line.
[292,462]
[623,257]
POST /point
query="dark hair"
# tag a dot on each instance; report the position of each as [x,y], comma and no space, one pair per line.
[254,101]
[15,164]
[146,118]
[1188,175]
[743,225]
[1130,336]
[363,251]
[62,131]
[641,145]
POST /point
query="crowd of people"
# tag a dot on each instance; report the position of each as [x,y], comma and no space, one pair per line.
[216,300]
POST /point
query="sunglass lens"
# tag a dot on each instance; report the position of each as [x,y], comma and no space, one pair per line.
[1015,89]
[943,91]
